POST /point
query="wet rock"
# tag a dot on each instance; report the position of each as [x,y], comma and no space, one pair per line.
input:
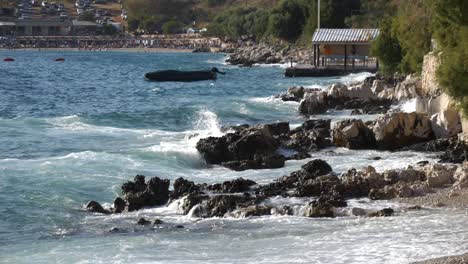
[254,210]
[384,212]
[214,150]
[183,187]
[397,130]
[294,94]
[95,207]
[319,186]
[356,112]
[234,186]
[191,200]
[271,190]
[179,226]
[218,206]
[359,183]
[282,210]
[259,162]
[439,175]
[158,222]
[139,194]
[143,221]
[316,167]
[119,205]
[422,163]
[319,209]
[276,129]
[461,176]
[314,102]
[356,211]
[353,134]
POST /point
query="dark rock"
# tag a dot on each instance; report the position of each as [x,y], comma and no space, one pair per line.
[218,206]
[383,212]
[376,158]
[271,190]
[422,163]
[254,210]
[294,94]
[259,162]
[455,150]
[316,167]
[277,129]
[183,187]
[143,221]
[299,156]
[139,194]
[356,112]
[353,134]
[191,200]
[119,205]
[319,209]
[214,150]
[95,207]
[284,210]
[179,226]
[234,186]
[157,222]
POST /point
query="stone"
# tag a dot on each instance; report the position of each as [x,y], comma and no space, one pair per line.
[446,123]
[95,207]
[158,222]
[119,205]
[294,94]
[143,221]
[356,211]
[316,167]
[398,130]
[214,150]
[183,187]
[234,186]
[356,112]
[384,212]
[254,210]
[139,194]
[313,103]
[461,176]
[319,209]
[353,134]
[276,129]
[439,175]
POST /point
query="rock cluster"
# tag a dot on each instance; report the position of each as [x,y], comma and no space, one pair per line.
[262,53]
[315,180]
[257,147]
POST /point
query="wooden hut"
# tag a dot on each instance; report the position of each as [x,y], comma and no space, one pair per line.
[346,48]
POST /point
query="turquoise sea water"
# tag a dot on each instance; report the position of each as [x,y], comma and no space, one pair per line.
[74,131]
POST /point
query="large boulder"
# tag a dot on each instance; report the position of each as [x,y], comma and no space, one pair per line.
[293,94]
[461,176]
[214,150]
[96,207]
[446,123]
[234,186]
[397,130]
[314,103]
[139,194]
[353,134]
[439,175]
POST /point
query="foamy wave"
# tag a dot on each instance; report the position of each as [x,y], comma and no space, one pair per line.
[75,124]
[272,100]
[355,77]
[206,125]
[278,65]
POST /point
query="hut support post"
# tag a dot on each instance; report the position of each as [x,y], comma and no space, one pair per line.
[345,56]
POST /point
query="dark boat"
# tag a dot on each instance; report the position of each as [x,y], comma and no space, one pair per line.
[182,76]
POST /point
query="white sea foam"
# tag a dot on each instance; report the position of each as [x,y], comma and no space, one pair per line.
[354,77]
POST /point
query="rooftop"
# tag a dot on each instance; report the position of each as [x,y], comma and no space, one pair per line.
[345,35]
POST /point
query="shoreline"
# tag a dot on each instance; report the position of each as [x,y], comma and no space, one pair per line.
[458,259]
[136,50]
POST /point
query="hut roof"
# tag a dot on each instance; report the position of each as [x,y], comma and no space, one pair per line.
[345,35]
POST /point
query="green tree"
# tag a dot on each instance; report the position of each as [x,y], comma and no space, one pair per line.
[450,27]
[387,49]
[172,27]
[288,19]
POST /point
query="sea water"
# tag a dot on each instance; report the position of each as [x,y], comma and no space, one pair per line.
[74,131]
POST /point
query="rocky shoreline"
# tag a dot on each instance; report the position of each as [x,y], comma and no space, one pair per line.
[326,192]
